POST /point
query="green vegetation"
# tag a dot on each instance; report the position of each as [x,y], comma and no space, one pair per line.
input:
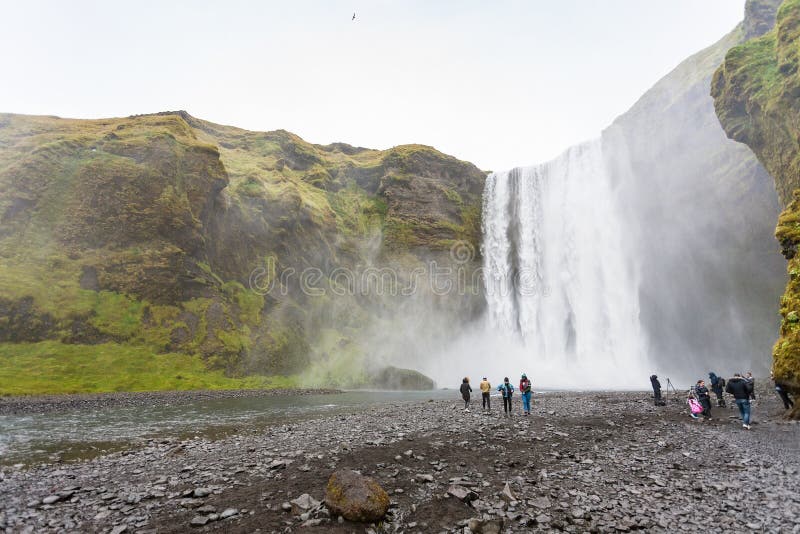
[131,242]
[757,98]
[53,367]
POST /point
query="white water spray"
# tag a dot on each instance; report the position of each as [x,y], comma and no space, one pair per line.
[561,289]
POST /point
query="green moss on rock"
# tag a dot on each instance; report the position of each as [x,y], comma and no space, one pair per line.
[757,98]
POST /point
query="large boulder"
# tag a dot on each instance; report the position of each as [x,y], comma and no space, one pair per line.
[396,378]
[356,497]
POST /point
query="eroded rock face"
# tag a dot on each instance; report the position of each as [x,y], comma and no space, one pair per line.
[356,497]
[167,217]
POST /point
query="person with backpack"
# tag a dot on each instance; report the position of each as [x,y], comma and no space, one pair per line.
[486,388]
[525,391]
[656,390]
[466,389]
[507,390]
[703,397]
[741,390]
[694,405]
[717,386]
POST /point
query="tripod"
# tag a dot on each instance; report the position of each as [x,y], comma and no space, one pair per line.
[671,385]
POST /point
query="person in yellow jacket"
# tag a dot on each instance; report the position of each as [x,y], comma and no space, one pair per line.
[486,387]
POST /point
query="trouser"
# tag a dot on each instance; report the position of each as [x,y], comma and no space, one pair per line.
[787,402]
[657,396]
[487,400]
[507,404]
[720,399]
[466,401]
[705,402]
[744,410]
[526,402]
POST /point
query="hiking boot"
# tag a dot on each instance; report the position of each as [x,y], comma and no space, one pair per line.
[746,427]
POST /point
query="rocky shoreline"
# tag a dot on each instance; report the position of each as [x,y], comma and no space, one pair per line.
[38,404]
[600,462]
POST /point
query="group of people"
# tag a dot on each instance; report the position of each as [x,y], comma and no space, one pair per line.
[742,387]
[506,390]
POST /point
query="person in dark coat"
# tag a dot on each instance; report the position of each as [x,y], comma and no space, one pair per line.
[656,390]
[741,390]
[782,392]
[718,387]
[466,389]
[704,397]
[752,382]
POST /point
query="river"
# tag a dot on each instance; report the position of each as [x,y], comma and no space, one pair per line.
[79,434]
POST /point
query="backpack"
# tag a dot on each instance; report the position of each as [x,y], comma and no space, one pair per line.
[694,406]
[721,382]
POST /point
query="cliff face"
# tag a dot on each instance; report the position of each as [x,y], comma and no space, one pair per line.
[756,93]
[699,207]
[178,235]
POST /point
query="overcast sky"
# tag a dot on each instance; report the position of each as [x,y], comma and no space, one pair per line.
[498,83]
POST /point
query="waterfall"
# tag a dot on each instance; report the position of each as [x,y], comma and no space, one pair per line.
[559,283]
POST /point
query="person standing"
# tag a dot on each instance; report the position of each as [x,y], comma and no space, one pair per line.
[486,388]
[780,389]
[717,386]
[752,382]
[740,389]
[704,397]
[466,389]
[656,390]
[525,391]
[507,390]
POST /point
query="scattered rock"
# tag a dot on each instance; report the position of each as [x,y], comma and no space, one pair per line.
[303,503]
[199,520]
[485,526]
[461,493]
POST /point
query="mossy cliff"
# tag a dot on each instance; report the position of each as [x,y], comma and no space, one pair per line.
[756,93]
[164,234]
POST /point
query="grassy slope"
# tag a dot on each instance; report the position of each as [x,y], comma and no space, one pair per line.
[130,241]
[756,93]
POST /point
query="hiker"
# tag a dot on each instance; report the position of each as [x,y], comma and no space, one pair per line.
[704,397]
[656,390]
[752,382]
[486,387]
[718,387]
[741,390]
[694,405]
[525,390]
[507,390]
[466,389]
[780,389]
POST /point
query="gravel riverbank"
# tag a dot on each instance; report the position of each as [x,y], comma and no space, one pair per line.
[599,462]
[38,404]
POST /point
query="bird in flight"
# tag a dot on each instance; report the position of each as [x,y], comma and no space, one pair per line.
[354,17]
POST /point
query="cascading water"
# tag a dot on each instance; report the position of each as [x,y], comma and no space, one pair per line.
[558,279]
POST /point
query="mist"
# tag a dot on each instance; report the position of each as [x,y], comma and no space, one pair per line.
[653,254]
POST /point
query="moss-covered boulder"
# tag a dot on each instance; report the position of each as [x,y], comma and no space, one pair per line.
[757,98]
[395,378]
[356,497]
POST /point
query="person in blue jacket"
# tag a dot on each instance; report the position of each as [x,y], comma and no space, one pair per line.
[507,390]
